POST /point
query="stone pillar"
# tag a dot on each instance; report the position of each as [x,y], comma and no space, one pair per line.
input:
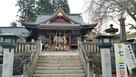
[105,45]
[26,70]
[8,45]
[78,42]
[106,62]
[8,56]
[122,29]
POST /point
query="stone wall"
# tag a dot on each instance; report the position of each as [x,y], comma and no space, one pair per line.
[18,64]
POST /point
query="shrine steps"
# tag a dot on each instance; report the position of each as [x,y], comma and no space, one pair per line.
[59,64]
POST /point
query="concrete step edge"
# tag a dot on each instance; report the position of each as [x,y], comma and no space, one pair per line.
[61,74]
[62,64]
[59,62]
[58,71]
[59,68]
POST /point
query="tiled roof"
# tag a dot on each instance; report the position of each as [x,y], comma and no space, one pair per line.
[46,20]
[42,18]
[15,30]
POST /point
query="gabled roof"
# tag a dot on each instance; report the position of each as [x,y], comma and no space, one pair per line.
[59,19]
[60,13]
[75,18]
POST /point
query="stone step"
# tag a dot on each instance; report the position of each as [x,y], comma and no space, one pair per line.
[58,65]
[60,57]
[59,54]
[58,71]
[42,58]
[58,75]
[62,61]
[59,68]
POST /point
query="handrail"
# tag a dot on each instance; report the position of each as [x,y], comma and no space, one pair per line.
[30,64]
[92,47]
[86,61]
[86,48]
[25,47]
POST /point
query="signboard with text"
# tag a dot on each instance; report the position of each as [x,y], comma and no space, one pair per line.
[130,57]
[121,69]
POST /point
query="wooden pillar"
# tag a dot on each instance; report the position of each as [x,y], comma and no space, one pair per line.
[49,39]
[69,39]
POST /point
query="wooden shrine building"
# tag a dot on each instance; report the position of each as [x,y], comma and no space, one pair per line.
[60,30]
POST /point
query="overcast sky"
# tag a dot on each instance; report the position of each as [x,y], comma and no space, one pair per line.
[9,10]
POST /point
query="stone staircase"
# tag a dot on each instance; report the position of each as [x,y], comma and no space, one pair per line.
[59,64]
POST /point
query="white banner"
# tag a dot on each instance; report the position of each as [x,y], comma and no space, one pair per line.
[121,69]
[130,58]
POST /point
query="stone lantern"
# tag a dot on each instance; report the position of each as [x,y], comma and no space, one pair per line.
[8,45]
[111,30]
[9,40]
[104,40]
[104,43]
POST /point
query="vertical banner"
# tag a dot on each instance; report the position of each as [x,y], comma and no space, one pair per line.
[121,69]
[130,58]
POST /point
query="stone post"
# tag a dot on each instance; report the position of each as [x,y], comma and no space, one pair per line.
[8,45]
[8,58]
[78,42]
[122,29]
[105,45]
[106,62]
[26,70]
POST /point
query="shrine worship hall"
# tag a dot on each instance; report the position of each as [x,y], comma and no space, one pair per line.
[58,31]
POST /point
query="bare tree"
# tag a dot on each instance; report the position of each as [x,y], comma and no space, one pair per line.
[13,24]
[104,10]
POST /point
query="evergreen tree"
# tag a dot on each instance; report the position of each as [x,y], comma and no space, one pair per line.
[44,6]
[64,5]
[29,9]
[61,4]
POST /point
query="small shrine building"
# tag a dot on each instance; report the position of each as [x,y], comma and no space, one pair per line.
[59,30]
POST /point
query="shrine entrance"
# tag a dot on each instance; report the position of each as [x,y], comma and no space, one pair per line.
[60,41]
[59,30]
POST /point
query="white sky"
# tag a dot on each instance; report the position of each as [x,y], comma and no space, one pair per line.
[9,10]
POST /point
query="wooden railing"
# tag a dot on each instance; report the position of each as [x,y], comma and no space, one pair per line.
[23,48]
[92,47]
[26,47]
[85,60]
[30,64]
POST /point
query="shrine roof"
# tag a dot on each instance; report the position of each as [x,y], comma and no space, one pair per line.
[59,18]
[59,27]
[59,24]
[75,17]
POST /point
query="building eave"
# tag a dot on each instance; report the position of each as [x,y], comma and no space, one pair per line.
[28,24]
[90,25]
